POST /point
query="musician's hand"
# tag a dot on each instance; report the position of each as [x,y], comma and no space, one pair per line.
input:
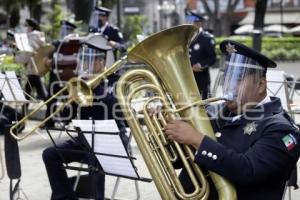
[183,133]
[197,67]
[113,44]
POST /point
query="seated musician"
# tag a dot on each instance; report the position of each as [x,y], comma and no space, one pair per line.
[257,143]
[92,59]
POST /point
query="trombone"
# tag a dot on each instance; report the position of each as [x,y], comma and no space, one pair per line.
[80,91]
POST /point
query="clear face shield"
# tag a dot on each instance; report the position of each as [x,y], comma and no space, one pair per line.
[241,78]
[90,61]
[95,21]
[64,31]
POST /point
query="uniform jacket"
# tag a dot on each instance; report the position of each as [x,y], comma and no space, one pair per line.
[111,33]
[36,39]
[202,50]
[256,154]
[105,103]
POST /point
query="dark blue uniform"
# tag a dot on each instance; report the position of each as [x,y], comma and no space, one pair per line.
[257,155]
[112,33]
[202,50]
[61,186]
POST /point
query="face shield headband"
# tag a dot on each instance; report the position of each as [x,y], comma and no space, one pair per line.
[190,19]
[90,61]
[241,77]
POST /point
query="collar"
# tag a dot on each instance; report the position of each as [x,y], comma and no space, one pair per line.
[103,27]
[267,99]
[264,109]
[264,101]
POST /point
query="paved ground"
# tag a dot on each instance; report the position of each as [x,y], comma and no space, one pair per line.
[34,181]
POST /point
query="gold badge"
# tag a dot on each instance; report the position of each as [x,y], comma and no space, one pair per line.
[230,48]
[250,128]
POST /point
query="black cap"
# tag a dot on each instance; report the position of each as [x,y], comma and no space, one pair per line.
[230,46]
[103,11]
[194,17]
[33,23]
[68,24]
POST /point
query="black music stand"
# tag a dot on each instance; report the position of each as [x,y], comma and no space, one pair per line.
[102,140]
[11,92]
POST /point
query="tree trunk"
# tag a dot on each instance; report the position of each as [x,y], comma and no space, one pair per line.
[260,10]
[82,10]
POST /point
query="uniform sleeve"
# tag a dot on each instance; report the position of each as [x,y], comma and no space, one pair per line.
[117,36]
[210,57]
[267,158]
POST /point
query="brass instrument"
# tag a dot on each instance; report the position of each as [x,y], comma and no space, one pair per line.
[38,58]
[166,54]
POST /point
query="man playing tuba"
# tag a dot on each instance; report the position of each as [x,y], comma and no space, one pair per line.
[257,142]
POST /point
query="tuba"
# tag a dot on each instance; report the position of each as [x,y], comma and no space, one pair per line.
[171,79]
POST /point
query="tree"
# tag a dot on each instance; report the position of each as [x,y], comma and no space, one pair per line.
[260,11]
[12,8]
[133,26]
[221,21]
[52,29]
[82,10]
[35,8]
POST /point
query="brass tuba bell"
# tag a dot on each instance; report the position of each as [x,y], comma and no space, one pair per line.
[171,79]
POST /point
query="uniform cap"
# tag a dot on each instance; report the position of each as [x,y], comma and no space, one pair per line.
[230,46]
[33,23]
[194,17]
[68,24]
[103,11]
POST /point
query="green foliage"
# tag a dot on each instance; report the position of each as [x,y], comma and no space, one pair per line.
[53,27]
[279,49]
[8,64]
[133,26]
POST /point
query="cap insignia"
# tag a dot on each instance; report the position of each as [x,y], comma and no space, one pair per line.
[250,128]
[230,48]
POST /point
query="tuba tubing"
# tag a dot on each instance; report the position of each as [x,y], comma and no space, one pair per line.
[167,55]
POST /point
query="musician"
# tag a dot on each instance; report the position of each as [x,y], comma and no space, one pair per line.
[91,60]
[36,39]
[257,142]
[67,30]
[99,24]
[202,53]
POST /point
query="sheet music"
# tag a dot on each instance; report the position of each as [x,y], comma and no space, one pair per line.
[15,86]
[117,166]
[5,90]
[108,126]
[22,42]
[109,143]
[276,86]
